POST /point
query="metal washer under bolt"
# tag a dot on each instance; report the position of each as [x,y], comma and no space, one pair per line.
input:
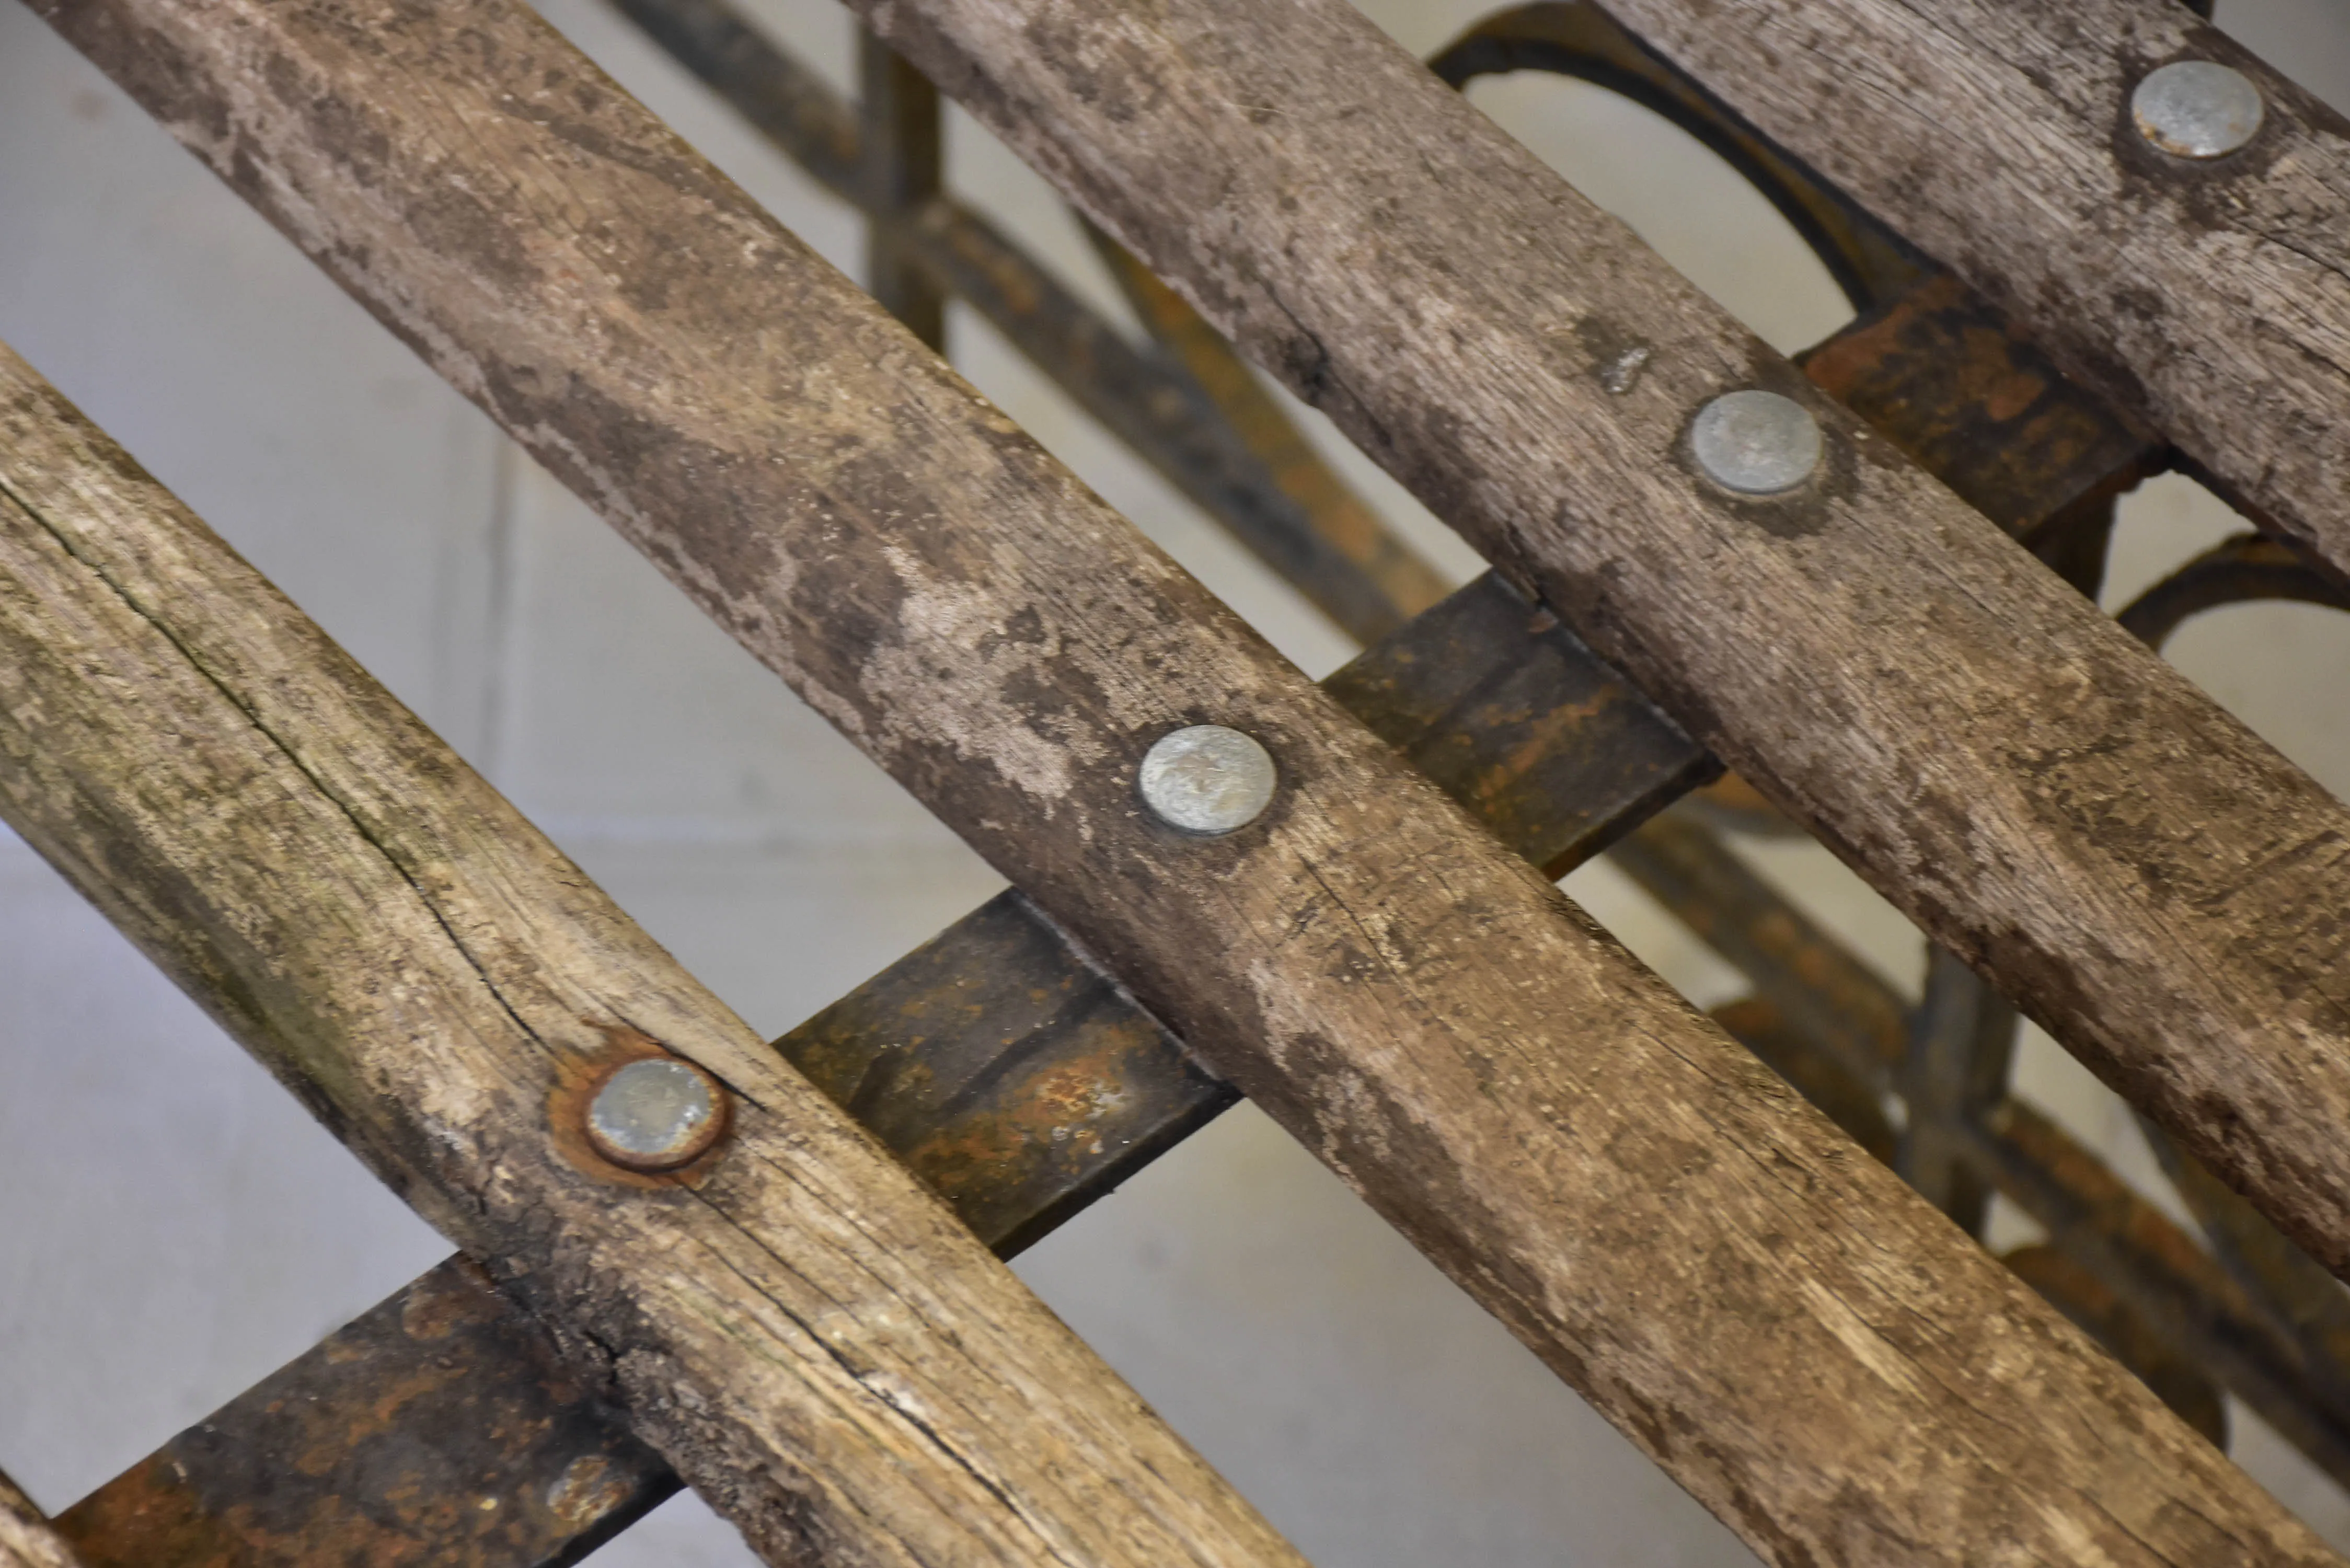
[1757,443]
[655,1114]
[1207,779]
[2198,108]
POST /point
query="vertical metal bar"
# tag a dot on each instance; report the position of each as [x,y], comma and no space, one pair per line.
[1962,1043]
[901,166]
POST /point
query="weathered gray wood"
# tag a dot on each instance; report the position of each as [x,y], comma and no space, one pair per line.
[2211,298]
[26,1539]
[2141,874]
[806,1334]
[1769,1312]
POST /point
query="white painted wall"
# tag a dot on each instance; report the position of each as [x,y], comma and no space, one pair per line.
[190,1230]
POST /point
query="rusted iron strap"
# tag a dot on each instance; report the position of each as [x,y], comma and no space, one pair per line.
[2203,291]
[1358,572]
[1017,1080]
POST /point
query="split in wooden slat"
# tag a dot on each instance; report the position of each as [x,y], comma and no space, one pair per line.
[800,1329]
[2137,870]
[1537,1111]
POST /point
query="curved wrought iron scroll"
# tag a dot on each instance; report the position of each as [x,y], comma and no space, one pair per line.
[1868,260]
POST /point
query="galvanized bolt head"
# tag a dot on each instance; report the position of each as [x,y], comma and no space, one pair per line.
[1207,779]
[2198,108]
[1757,443]
[656,1113]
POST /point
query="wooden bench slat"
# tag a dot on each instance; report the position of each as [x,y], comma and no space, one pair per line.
[1655,1213]
[2141,874]
[2206,298]
[800,1329]
[1002,1066]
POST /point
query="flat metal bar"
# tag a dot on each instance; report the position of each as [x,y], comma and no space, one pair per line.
[1014,1077]
[1958,387]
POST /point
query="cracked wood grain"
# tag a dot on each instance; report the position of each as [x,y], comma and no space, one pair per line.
[2142,875]
[26,1539]
[806,1334]
[2211,298]
[1818,1356]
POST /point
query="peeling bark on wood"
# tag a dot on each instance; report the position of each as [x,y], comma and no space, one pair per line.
[808,1336]
[2140,873]
[1762,1308]
[2211,298]
[26,1539]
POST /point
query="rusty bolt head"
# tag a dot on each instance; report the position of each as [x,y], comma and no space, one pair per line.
[1207,779]
[2198,108]
[656,1113]
[1756,443]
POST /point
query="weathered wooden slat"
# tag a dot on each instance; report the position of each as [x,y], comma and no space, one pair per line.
[1345,562]
[2080,1294]
[803,1332]
[1868,260]
[995,1061]
[1851,1034]
[2140,873]
[2208,297]
[26,1540]
[1647,1206]
[2159,1271]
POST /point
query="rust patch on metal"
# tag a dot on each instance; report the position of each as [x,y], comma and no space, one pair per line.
[435,1430]
[577,1079]
[1955,386]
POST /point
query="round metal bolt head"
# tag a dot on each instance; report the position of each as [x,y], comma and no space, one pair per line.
[1757,443]
[656,1115]
[2198,108]
[1207,779]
